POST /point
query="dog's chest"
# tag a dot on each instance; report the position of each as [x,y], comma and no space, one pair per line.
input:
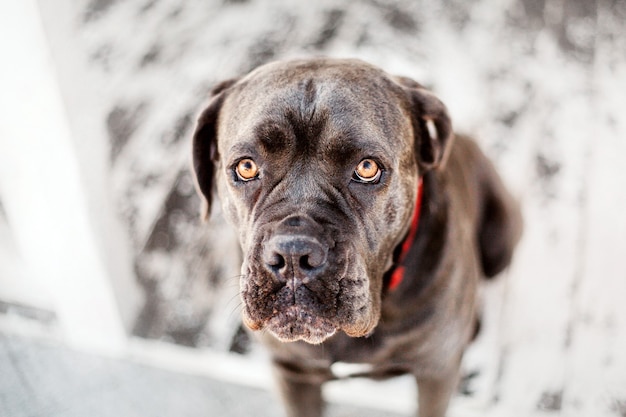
[374,356]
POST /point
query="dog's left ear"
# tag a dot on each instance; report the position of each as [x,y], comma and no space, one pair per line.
[205,154]
[431,124]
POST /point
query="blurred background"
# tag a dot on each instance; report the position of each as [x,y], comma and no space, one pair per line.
[116,300]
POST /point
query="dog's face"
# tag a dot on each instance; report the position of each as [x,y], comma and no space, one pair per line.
[316,163]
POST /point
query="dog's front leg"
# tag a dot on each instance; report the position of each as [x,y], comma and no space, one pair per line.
[434,393]
[301,390]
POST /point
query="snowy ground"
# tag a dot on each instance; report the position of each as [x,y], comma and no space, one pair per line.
[540,83]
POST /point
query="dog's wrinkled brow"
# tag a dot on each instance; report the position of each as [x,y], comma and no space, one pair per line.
[290,131]
[345,147]
[341,152]
[273,137]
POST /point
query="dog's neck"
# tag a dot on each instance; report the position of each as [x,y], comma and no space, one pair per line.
[397,274]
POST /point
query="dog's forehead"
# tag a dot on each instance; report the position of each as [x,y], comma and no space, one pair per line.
[347,71]
[334,103]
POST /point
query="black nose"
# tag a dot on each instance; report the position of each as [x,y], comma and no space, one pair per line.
[294,256]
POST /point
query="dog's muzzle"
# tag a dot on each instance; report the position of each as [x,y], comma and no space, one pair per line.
[292,281]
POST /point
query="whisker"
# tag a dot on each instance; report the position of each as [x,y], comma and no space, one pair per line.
[235,310]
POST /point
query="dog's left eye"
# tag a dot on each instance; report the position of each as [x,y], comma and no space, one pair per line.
[367,172]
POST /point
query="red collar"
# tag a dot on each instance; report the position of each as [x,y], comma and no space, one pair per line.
[398,274]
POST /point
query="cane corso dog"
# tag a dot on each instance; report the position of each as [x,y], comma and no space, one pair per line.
[366,224]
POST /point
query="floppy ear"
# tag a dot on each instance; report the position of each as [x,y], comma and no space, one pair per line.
[431,124]
[205,155]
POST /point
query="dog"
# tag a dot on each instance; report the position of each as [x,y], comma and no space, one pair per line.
[366,224]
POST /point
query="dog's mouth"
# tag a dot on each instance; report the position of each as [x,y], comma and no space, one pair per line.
[295,323]
[290,315]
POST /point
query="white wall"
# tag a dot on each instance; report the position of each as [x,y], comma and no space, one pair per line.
[49,206]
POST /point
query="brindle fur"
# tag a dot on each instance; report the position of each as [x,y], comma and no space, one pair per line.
[319,247]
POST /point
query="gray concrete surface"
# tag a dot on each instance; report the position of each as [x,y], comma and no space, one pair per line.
[39,379]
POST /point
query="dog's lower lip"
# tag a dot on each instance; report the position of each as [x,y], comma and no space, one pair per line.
[295,324]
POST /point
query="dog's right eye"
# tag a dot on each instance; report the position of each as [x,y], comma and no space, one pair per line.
[367,172]
[247,170]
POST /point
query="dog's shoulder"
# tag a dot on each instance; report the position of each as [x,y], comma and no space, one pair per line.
[493,210]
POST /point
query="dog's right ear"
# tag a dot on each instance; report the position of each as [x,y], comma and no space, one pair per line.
[205,154]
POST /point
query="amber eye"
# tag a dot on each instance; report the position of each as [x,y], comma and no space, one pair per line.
[367,171]
[247,170]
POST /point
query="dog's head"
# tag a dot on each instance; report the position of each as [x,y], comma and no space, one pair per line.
[316,163]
